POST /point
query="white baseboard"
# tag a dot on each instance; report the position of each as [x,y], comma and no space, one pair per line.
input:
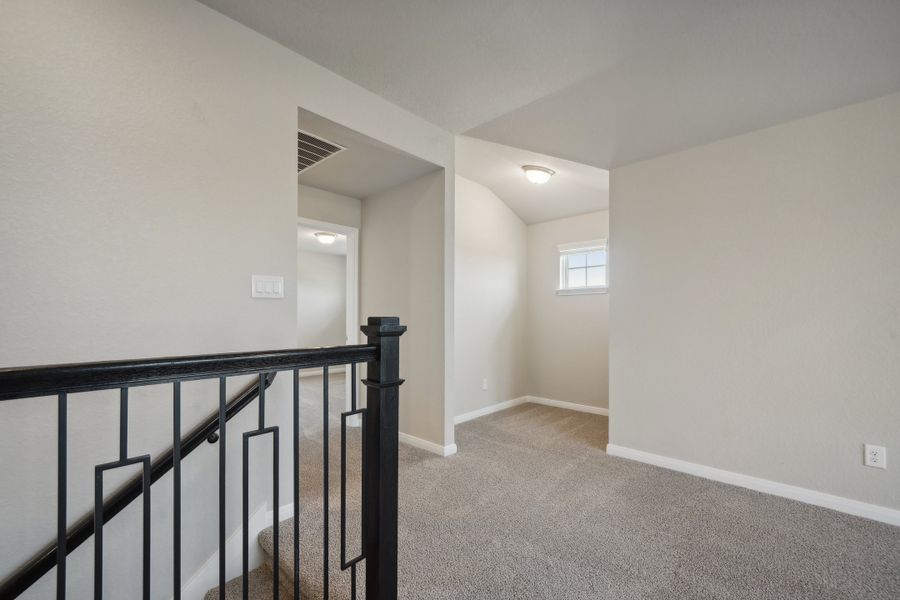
[488,410]
[845,505]
[426,445]
[585,408]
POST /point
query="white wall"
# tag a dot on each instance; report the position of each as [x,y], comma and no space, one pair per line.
[567,335]
[401,273]
[755,322]
[321,299]
[148,168]
[321,205]
[490,298]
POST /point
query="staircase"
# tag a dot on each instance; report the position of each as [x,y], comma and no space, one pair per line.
[327,486]
[312,508]
[311,581]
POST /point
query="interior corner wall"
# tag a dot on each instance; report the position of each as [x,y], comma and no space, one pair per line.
[322,205]
[568,358]
[148,163]
[755,319]
[402,275]
[490,299]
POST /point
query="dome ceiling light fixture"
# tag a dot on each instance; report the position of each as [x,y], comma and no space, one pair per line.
[325,238]
[537,174]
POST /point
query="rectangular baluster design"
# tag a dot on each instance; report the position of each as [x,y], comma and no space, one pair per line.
[99,470]
[378,468]
[262,430]
[351,564]
[176,493]
[248,435]
[61,495]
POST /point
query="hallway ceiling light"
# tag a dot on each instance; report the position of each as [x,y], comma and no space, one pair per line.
[538,175]
[325,238]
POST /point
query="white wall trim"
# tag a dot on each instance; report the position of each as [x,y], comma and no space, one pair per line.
[487,410]
[426,445]
[474,414]
[585,408]
[845,505]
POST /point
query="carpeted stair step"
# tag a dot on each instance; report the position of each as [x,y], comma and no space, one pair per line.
[311,555]
[260,586]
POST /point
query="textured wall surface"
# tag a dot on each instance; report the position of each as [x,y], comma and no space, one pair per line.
[755,318]
[490,299]
[148,161]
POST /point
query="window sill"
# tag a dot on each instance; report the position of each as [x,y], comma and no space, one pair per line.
[582,291]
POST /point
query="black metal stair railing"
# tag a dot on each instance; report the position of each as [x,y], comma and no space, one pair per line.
[379,448]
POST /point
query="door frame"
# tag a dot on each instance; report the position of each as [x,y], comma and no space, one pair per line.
[352,333]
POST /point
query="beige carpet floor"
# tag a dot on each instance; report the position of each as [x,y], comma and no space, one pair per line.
[532,508]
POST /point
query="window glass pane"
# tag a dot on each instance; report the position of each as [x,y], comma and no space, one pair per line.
[576,277]
[597,258]
[577,260]
[596,276]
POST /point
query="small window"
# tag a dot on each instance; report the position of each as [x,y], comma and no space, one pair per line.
[583,268]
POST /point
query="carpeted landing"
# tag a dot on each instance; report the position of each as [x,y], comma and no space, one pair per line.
[532,508]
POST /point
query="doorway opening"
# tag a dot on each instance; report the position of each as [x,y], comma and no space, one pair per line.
[327,289]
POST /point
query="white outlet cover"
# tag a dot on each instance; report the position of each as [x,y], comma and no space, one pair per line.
[875,456]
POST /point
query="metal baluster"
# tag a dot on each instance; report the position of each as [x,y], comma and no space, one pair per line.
[176,482]
[362,446]
[262,400]
[98,533]
[221,488]
[245,517]
[296,442]
[351,564]
[144,461]
[325,482]
[276,575]
[123,424]
[245,492]
[147,482]
[61,472]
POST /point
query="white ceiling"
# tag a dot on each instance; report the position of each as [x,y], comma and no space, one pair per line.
[765,63]
[575,189]
[306,241]
[365,168]
[603,82]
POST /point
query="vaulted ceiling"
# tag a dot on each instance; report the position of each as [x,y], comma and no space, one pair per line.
[601,82]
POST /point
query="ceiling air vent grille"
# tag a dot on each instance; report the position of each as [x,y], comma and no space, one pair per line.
[311,150]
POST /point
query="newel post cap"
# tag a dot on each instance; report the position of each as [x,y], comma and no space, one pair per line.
[383,327]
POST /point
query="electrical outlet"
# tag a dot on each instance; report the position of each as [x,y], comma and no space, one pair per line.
[484,384]
[875,456]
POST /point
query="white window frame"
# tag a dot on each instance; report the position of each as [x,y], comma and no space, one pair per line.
[576,248]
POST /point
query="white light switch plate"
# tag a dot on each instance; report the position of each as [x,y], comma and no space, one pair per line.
[267,286]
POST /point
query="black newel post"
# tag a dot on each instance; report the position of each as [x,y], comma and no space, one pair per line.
[380,477]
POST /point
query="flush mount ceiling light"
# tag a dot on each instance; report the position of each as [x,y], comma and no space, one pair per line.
[325,238]
[538,175]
